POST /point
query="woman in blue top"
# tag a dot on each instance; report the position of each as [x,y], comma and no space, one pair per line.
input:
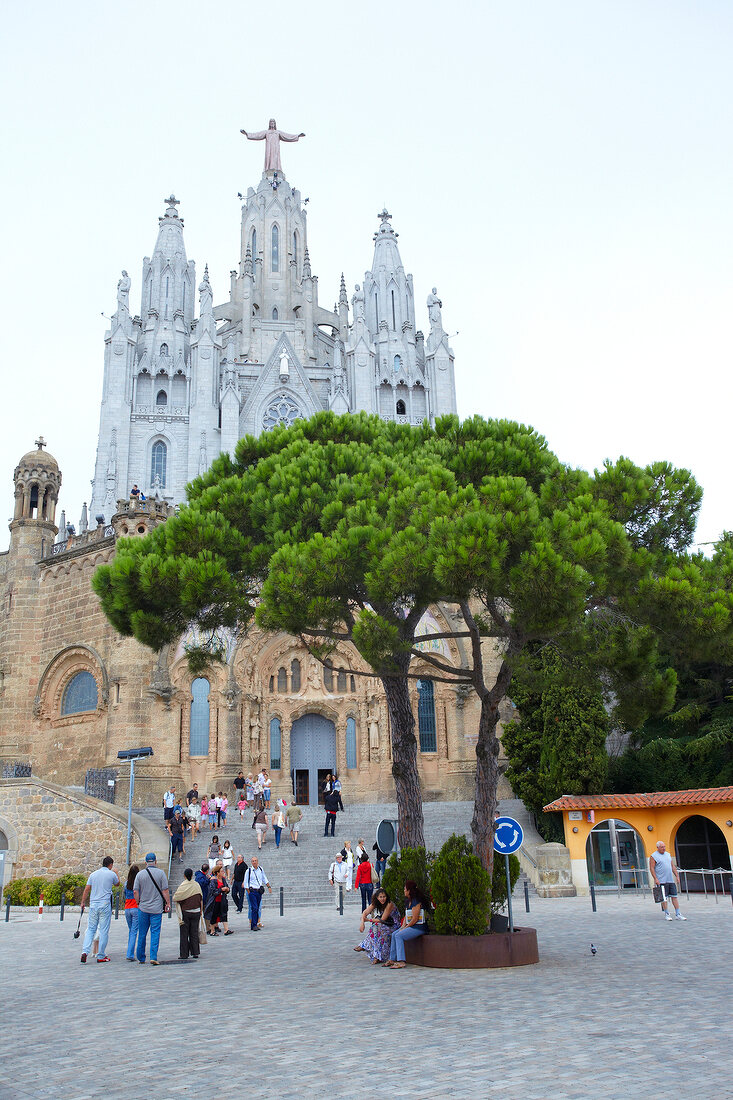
[414,924]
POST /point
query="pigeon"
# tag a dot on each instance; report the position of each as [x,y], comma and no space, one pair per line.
[593,949]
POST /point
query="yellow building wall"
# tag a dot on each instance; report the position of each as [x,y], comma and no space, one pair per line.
[664,820]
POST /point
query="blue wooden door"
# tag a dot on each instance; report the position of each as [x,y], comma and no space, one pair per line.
[313,749]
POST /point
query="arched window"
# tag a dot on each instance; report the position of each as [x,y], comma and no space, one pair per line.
[200,717]
[159,462]
[80,695]
[397,364]
[328,678]
[274,313]
[394,315]
[426,716]
[295,675]
[295,251]
[400,408]
[254,250]
[275,249]
[164,347]
[161,398]
[341,682]
[272,684]
[275,744]
[353,683]
[350,743]
[282,680]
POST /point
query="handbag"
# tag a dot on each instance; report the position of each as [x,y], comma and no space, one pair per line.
[658,894]
[202,931]
[375,876]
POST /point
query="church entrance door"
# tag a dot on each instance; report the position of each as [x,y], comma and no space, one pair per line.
[312,756]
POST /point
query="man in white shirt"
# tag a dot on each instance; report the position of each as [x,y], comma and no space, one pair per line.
[255,881]
[98,892]
[664,872]
[169,801]
[338,876]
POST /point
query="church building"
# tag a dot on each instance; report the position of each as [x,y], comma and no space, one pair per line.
[182,385]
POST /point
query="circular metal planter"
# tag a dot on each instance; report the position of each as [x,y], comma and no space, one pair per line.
[517,948]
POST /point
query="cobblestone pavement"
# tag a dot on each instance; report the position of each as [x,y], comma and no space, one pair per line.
[293,1011]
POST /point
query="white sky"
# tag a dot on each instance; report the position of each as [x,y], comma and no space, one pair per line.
[562,171]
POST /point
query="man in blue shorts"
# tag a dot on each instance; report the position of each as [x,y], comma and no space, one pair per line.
[664,872]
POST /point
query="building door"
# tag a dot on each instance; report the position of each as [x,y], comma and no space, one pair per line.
[312,750]
[301,786]
[615,856]
[700,845]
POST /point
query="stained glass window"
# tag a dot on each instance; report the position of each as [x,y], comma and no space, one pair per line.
[426,716]
[282,411]
[275,743]
[80,694]
[200,717]
[350,743]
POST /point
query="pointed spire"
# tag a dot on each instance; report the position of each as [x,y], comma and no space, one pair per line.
[206,295]
[84,521]
[343,298]
[306,265]
[248,261]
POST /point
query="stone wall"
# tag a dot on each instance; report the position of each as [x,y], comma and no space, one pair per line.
[52,831]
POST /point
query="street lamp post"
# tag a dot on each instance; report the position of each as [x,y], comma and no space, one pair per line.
[132,755]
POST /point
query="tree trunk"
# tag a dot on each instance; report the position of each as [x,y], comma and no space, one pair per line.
[487,780]
[404,763]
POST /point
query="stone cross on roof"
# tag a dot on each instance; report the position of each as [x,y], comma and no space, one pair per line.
[40,443]
[172,200]
[384,216]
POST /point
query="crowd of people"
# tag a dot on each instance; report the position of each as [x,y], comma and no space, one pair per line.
[202,900]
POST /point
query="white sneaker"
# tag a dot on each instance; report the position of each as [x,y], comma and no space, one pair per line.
[668,916]
[678,916]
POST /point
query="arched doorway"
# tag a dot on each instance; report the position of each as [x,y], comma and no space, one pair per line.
[700,844]
[615,856]
[312,756]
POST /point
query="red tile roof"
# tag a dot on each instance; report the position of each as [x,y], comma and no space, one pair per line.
[640,801]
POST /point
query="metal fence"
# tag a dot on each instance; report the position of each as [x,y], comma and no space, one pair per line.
[16,771]
[101,783]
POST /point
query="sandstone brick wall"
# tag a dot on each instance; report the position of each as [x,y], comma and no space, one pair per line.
[57,832]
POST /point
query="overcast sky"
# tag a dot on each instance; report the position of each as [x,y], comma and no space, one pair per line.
[561,171]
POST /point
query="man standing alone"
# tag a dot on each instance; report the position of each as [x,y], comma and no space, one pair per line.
[153,899]
[338,875]
[664,873]
[255,882]
[98,892]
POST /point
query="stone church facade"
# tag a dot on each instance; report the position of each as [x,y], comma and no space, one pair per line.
[177,391]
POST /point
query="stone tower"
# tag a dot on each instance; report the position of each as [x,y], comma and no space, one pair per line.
[178,390]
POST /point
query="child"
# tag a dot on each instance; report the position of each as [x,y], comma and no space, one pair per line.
[223,807]
[212,810]
[242,805]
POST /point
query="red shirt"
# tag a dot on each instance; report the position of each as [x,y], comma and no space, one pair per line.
[363,874]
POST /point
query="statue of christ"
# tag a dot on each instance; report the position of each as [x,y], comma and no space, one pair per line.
[272,138]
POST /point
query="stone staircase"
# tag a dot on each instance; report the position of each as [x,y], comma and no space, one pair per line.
[302,872]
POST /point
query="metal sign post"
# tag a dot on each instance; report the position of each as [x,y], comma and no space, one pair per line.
[508,838]
[129,808]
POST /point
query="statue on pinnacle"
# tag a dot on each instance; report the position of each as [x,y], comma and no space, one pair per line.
[272,138]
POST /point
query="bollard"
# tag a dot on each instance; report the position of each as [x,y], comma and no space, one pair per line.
[40,907]
[526,895]
[341,900]
[7,910]
[282,894]
[593,897]
[117,905]
[63,903]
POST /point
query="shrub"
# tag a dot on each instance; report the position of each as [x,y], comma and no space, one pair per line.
[461,890]
[409,863]
[72,886]
[498,886]
[26,891]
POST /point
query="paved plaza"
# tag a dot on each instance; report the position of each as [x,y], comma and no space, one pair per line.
[294,1011]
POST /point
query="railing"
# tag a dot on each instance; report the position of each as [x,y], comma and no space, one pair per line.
[704,872]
